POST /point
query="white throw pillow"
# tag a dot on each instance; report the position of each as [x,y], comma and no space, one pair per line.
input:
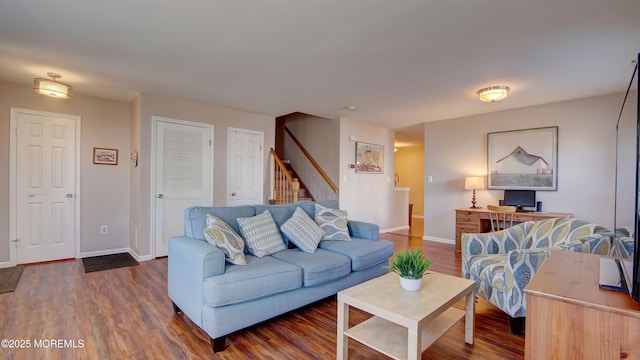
[261,234]
[219,234]
[301,230]
[333,222]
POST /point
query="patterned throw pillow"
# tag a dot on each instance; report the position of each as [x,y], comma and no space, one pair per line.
[218,233]
[261,234]
[333,222]
[302,231]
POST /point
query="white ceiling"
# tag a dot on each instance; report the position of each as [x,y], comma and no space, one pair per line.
[399,62]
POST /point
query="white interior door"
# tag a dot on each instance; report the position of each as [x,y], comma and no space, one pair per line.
[244,167]
[183,175]
[45,202]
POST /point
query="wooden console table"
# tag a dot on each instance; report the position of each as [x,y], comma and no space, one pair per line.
[570,317]
[477,221]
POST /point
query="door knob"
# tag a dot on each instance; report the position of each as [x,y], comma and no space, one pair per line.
[233,194]
[32,194]
[160,196]
[69,196]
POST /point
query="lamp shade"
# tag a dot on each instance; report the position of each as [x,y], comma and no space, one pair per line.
[474,182]
[493,93]
[51,87]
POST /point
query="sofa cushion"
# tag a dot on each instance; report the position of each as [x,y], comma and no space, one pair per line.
[333,222]
[195,218]
[319,267]
[488,268]
[218,233]
[261,277]
[261,234]
[302,231]
[363,253]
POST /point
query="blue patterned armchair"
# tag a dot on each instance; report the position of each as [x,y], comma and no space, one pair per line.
[503,262]
[625,235]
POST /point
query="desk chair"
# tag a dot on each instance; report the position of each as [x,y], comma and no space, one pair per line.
[500,215]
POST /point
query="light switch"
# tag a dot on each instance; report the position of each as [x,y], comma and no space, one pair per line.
[430,179]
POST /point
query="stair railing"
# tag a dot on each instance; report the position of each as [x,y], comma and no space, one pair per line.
[312,161]
[285,187]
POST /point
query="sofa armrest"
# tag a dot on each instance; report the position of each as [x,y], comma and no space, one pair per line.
[519,269]
[498,242]
[191,262]
[363,230]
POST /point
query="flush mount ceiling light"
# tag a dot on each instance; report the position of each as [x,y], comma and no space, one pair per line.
[52,87]
[493,93]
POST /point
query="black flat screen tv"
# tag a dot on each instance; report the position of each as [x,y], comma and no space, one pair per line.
[520,198]
[635,282]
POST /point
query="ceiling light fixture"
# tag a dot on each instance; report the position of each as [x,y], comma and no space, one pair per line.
[493,93]
[52,87]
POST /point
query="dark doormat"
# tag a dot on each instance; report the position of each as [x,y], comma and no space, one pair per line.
[106,262]
[9,278]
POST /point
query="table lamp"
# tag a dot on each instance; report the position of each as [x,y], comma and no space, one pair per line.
[473,183]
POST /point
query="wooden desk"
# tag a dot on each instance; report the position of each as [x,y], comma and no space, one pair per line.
[477,221]
[570,317]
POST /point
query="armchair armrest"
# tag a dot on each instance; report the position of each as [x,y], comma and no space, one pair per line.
[600,244]
[363,230]
[519,269]
[498,242]
[627,246]
[191,262]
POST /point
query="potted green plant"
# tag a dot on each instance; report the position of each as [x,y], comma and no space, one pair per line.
[411,265]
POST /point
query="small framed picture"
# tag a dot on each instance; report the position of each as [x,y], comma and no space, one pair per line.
[104,156]
[369,158]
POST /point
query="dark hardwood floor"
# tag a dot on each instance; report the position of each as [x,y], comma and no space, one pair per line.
[125,314]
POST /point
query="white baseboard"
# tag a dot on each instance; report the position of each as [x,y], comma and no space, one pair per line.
[394,229]
[138,257]
[104,252]
[6,264]
[440,240]
[117,251]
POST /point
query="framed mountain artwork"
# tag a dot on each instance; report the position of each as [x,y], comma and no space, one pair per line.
[523,159]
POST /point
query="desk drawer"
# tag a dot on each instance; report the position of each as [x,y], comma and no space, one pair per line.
[467,217]
[466,229]
[522,218]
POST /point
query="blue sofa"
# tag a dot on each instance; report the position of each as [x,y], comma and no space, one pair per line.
[222,298]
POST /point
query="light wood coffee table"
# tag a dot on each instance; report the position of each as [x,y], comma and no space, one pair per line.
[405,323]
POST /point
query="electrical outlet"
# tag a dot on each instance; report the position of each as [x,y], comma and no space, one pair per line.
[104,230]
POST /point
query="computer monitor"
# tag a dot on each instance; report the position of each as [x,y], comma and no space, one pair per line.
[520,198]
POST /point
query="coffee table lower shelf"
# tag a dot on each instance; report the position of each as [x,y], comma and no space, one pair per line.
[391,339]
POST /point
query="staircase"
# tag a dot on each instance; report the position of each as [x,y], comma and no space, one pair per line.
[303,192]
[287,188]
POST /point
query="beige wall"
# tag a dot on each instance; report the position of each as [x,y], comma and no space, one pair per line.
[120,196]
[168,107]
[367,197]
[586,160]
[104,190]
[410,168]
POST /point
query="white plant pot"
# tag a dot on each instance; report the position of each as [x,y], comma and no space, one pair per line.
[411,284]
